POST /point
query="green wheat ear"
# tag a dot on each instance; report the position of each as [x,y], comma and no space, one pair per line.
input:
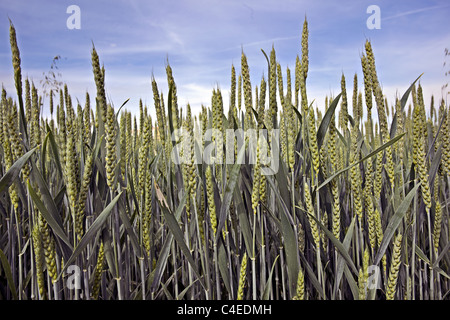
[273,88]
[247,89]
[147,214]
[38,256]
[210,198]
[305,50]
[438,215]
[300,290]
[98,272]
[81,206]
[395,267]
[16,62]
[315,156]
[256,179]
[111,156]
[310,210]
[242,276]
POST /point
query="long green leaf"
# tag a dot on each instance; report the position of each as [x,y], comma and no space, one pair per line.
[127,224]
[268,285]
[384,146]
[43,153]
[436,135]
[50,218]
[321,132]
[8,274]
[244,223]
[229,189]
[54,147]
[179,238]
[312,277]
[161,263]
[8,178]
[268,61]
[162,258]
[444,251]
[434,266]
[352,283]
[118,110]
[257,117]
[46,196]
[435,164]
[91,232]
[340,260]
[337,244]
[109,251]
[183,293]
[223,264]
[403,101]
[298,114]
[394,222]
[406,94]
[289,239]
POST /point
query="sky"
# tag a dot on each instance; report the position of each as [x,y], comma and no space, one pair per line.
[201,39]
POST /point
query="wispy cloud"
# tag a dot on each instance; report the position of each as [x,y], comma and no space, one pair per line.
[415,11]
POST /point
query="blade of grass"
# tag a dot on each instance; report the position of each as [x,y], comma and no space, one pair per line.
[384,146]
[403,101]
[129,229]
[49,217]
[223,264]
[91,232]
[161,263]
[8,178]
[268,285]
[229,189]
[434,266]
[444,251]
[312,276]
[174,227]
[352,283]
[118,110]
[244,223]
[54,147]
[289,239]
[337,244]
[340,261]
[47,198]
[321,132]
[185,290]
[8,274]
[394,222]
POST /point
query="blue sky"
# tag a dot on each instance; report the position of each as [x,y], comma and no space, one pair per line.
[202,38]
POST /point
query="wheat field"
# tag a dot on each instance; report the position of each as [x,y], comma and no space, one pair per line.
[93,205]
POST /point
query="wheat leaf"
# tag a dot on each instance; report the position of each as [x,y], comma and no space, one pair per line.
[8,178]
[91,232]
[8,274]
[394,222]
